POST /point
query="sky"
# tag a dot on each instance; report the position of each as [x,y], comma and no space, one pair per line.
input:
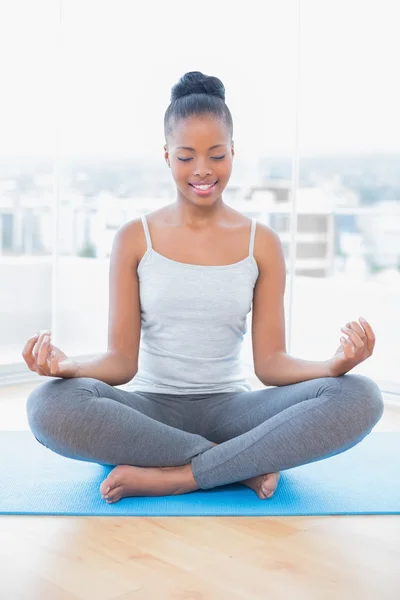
[95,76]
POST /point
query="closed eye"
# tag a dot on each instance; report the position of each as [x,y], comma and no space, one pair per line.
[213,157]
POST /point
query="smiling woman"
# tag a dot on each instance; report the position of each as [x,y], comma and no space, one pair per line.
[179,323]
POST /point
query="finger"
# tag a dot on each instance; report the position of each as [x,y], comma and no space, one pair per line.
[41,369]
[40,363]
[35,353]
[369,332]
[347,348]
[27,351]
[39,343]
[358,329]
[43,354]
[53,365]
[355,338]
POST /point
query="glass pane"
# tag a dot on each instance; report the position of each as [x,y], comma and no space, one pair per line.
[348,202]
[27,141]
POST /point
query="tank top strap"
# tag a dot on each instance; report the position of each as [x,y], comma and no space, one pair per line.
[146,232]
[252,236]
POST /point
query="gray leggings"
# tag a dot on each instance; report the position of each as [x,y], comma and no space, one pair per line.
[261,431]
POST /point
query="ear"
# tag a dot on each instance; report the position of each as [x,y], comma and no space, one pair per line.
[233,148]
[166,154]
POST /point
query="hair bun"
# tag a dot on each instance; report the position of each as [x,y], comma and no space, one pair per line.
[196,82]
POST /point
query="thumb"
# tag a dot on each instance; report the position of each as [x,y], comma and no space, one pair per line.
[54,366]
[61,368]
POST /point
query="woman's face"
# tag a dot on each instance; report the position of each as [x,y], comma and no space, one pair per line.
[200,151]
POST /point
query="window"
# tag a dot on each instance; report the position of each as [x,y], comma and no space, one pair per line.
[7,226]
[81,153]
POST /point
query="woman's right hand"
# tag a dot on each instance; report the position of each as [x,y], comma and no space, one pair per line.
[45,359]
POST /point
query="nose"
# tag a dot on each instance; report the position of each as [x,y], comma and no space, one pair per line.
[202,169]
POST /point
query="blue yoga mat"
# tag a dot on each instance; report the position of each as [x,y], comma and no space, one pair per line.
[362,480]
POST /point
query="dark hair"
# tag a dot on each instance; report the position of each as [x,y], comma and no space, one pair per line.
[197,94]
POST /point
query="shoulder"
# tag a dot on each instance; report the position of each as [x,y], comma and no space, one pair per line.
[268,249]
[130,240]
[265,237]
[132,237]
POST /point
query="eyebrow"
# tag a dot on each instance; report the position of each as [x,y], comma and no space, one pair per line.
[193,150]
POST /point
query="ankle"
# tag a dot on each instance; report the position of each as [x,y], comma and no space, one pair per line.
[185,479]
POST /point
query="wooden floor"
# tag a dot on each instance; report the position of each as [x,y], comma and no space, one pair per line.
[196,558]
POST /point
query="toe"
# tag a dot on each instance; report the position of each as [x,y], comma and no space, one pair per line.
[268,488]
[105,487]
[114,499]
[113,495]
[108,485]
[266,492]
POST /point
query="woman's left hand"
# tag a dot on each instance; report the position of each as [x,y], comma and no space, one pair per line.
[354,349]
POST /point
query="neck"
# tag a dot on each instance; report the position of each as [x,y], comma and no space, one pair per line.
[199,217]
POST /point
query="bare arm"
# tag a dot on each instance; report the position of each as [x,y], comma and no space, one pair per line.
[110,367]
[272,364]
[283,369]
[119,364]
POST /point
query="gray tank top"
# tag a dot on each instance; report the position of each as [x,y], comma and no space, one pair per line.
[193,321]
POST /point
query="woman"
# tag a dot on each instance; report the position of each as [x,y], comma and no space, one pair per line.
[182,280]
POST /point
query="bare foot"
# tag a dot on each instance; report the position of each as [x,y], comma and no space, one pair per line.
[127,480]
[263,485]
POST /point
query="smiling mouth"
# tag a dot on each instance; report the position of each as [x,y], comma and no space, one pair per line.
[203,187]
